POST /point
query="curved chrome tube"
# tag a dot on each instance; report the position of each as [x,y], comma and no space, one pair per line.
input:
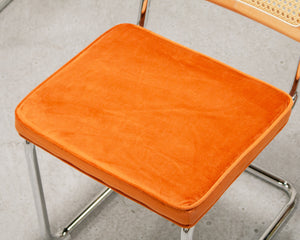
[89,209]
[143,12]
[40,203]
[187,233]
[288,207]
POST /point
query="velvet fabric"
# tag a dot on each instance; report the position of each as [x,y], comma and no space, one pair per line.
[157,122]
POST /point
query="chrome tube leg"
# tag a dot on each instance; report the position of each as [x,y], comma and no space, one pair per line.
[284,186]
[40,203]
[187,233]
[92,206]
[37,189]
[3,4]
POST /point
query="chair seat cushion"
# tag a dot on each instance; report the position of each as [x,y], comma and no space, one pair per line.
[164,125]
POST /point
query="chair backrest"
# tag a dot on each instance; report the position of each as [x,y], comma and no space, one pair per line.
[281,15]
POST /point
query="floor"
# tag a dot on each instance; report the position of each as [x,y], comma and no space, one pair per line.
[37,37]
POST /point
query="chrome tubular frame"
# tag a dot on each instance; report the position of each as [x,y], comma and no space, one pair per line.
[40,203]
[4,3]
[36,183]
[282,185]
[187,234]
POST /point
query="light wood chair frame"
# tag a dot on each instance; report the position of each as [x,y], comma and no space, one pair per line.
[186,233]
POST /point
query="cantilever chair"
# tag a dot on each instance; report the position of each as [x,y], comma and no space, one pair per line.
[161,124]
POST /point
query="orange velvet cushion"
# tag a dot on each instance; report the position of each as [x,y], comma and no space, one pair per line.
[159,123]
